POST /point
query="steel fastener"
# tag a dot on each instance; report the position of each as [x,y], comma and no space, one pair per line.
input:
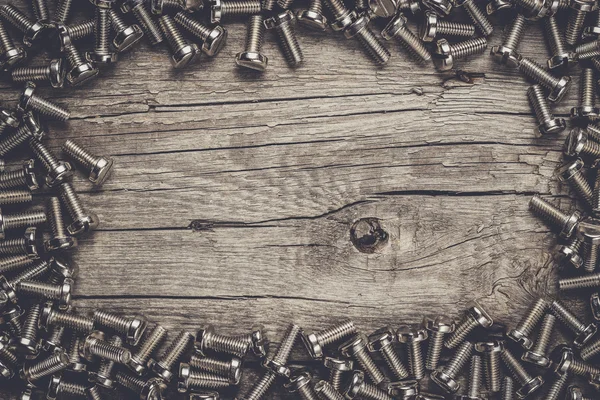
[547,123]
[213,38]
[356,348]
[83,221]
[556,218]
[11,55]
[558,86]
[446,377]
[491,352]
[397,28]
[538,354]
[252,57]
[382,341]
[183,52]
[283,23]
[529,384]
[475,316]
[162,366]
[583,332]
[139,359]
[445,53]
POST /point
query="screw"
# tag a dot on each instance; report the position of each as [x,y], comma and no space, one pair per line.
[231,368]
[72,321]
[76,364]
[34,31]
[522,332]
[58,171]
[478,17]
[397,28]
[434,26]
[588,232]
[8,120]
[359,28]
[51,365]
[150,389]
[27,245]
[54,73]
[588,50]
[316,342]
[40,10]
[593,30]
[506,53]
[158,7]
[222,8]
[343,17]
[59,388]
[475,380]
[163,365]
[63,11]
[491,352]
[440,7]
[131,328]
[269,5]
[586,111]
[558,86]
[80,71]
[26,176]
[8,362]
[567,223]
[583,333]
[60,239]
[567,364]
[387,8]
[93,393]
[83,221]
[30,127]
[103,376]
[547,123]
[8,286]
[251,57]
[47,291]
[283,24]
[337,369]
[148,346]
[52,343]
[529,384]
[326,391]
[11,318]
[475,316]
[578,144]
[446,53]
[60,271]
[15,263]
[575,393]
[21,220]
[445,377]
[508,389]
[579,9]
[538,354]
[382,341]
[312,17]
[193,380]
[182,52]
[356,348]
[301,384]
[561,56]
[413,338]
[141,13]
[102,53]
[213,38]
[582,282]
[359,389]
[31,101]
[27,343]
[125,35]
[99,167]
[11,55]
[208,341]
[438,329]
[95,345]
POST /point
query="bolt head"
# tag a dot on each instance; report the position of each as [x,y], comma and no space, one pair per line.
[395,25]
[575,142]
[65,296]
[9,118]
[102,58]
[184,371]
[428,29]
[594,303]
[480,315]
[381,338]
[520,338]
[252,60]
[547,8]
[12,57]
[585,336]
[45,315]
[105,382]
[30,169]
[358,380]
[562,357]
[530,387]
[440,7]
[153,390]
[494,346]
[235,370]
[101,170]
[7,290]
[63,269]
[404,389]
[285,17]
[33,125]
[561,61]
[127,37]
[442,56]
[441,324]
[591,32]
[498,6]
[136,330]
[343,21]
[215,11]
[32,239]
[58,73]
[362,22]
[185,55]
[574,393]
[383,8]
[54,387]
[352,345]
[552,126]
[84,224]
[569,170]
[570,256]
[584,114]
[406,334]
[26,95]
[157,6]
[279,369]
[136,366]
[5,371]
[215,41]
[85,346]
[298,381]
[444,381]
[82,73]
[588,230]
[24,346]
[506,55]
[62,173]
[60,243]
[583,5]
[11,314]
[312,20]
[203,338]
[338,364]
[106,4]
[160,371]
[560,90]
[539,360]
[259,341]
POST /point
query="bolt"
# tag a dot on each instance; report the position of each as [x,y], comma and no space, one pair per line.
[561,56]
[58,171]
[579,9]
[558,387]
[27,342]
[59,388]
[72,321]
[578,144]
[102,53]
[52,343]
[49,366]
[313,17]
[440,7]
[508,389]
[213,38]
[131,328]
[326,391]
[445,377]
[538,354]
[144,18]
[103,376]
[30,127]
[27,245]
[316,342]
[194,380]
[478,17]
[491,352]
[412,338]
[83,221]
[337,369]
[522,332]
[150,389]
[11,318]
[446,53]
[343,17]
[474,317]
[163,365]
[389,8]
[588,50]
[222,8]
[26,176]
[583,282]
[565,362]
[475,380]
[208,341]
[397,28]
[29,100]
[359,389]
[587,111]
[556,218]
[359,28]
[60,239]
[8,120]
[34,31]
[63,11]
[583,333]
[10,55]
[558,86]
[438,329]
[588,231]
[547,123]
[434,26]
[40,10]
[301,384]
[47,291]
[382,342]
[60,271]
[148,346]
[76,364]
[251,57]
[15,263]
[183,52]
[230,368]
[506,53]
[125,35]
[158,7]
[96,346]
[356,348]
[529,384]
[8,286]
[54,74]
[15,196]
[81,30]
[283,24]
[8,362]
[80,71]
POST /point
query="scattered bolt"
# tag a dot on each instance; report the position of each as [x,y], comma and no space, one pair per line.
[28,244]
[60,239]
[183,52]
[438,329]
[283,24]
[413,338]
[567,223]
[95,345]
[579,9]
[492,352]
[446,53]
[356,348]
[586,111]
[316,342]
[83,221]
[382,341]
[475,316]
[75,322]
[49,366]
[29,100]
[529,384]
[547,123]
[103,376]
[561,57]
[144,18]
[434,25]
[359,29]
[251,57]
[359,389]
[506,53]
[47,291]
[446,377]
[583,333]
[478,17]
[11,55]
[213,38]
[34,31]
[222,8]
[152,388]
[337,369]
[538,354]
[397,28]
[312,17]
[588,231]
[558,86]
[572,174]
[163,365]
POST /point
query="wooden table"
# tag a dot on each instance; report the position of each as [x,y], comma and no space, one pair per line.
[234,193]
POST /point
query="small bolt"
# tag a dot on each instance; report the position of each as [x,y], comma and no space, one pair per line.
[578,144]
[582,282]
[150,389]
[412,338]
[522,332]
[83,221]
[58,171]
[547,123]
[162,365]
[49,366]
[28,244]
[474,317]
[438,329]
[29,127]
[25,176]
[359,389]
[183,52]
[213,38]
[251,57]
[579,9]
[222,8]
[475,380]
[561,56]
[316,342]
[445,377]
[75,322]
[76,363]
[59,388]
[151,342]
[397,28]
[326,391]
[103,376]
[47,291]
[338,367]
[356,348]
[283,23]
[538,9]
[566,363]
[34,31]
[102,52]
[95,345]
[491,352]
[99,167]
[588,231]
[587,111]
[382,342]
[80,71]
[478,17]
[359,29]
[529,384]
[60,239]
[506,53]
[159,7]
[27,343]
[230,368]
[144,18]
[208,341]
[433,26]
[131,328]
[194,380]
[446,53]
[81,30]
[312,17]
[538,354]
[125,35]
[29,100]
[583,333]
[558,86]
[8,286]
[343,17]
[11,55]
[556,218]
[54,73]
[440,7]
[301,383]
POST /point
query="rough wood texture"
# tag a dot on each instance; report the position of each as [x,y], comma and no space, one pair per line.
[234,193]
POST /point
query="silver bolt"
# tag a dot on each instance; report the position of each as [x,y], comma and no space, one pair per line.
[183,52]
[28,244]
[359,389]
[579,9]
[558,86]
[508,389]
[15,263]
[583,333]
[538,354]
[474,317]
[162,366]
[102,52]
[343,17]
[80,70]
[75,322]
[144,18]
[588,231]
[81,30]
[475,379]
[63,11]
[586,111]
[59,388]
[222,8]
[283,23]
[8,286]
[230,368]
[478,16]
[556,218]
[131,328]
[326,391]
[58,171]
[47,291]
[29,100]
[25,176]
[125,35]
[16,196]
[34,31]
[194,380]
[60,239]
[11,55]
[252,57]
[103,376]
[27,343]
[398,28]
[445,53]
[356,348]
[301,383]
[316,342]
[578,144]
[558,387]
[148,346]
[313,17]
[566,363]
[382,342]
[438,329]
[561,56]
[54,73]
[49,366]
[433,26]
[446,377]
[506,53]
[529,384]
[338,367]
[95,345]
[83,221]
[522,332]
[213,38]
[413,339]
[359,29]
[582,282]
[491,352]
[547,123]
[150,389]
[76,363]
[29,127]
[207,341]
[53,342]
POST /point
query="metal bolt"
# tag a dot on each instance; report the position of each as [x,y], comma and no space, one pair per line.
[508,389]
[58,171]
[582,282]
[30,127]
[558,387]
[131,328]
[529,384]
[158,7]
[561,56]
[213,38]
[474,317]
[575,393]
[47,291]
[51,365]
[148,346]
[522,332]
[60,239]
[412,338]
[343,17]
[382,342]
[313,17]
[183,52]
[538,354]
[34,31]
[29,100]
[59,388]
[445,377]
[230,368]
[337,369]
[316,342]
[283,24]
[102,52]
[538,9]
[27,343]
[15,263]
[25,176]
[589,50]
[144,18]
[556,218]
[15,196]
[356,348]
[10,55]
[475,380]
[433,26]
[359,389]
[8,286]
[103,376]
[208,341]
[27,245]
[593,30]
[301,384]
[61,270]
[491,352]
[80,71]
[579,9]
[586,111]
[578,144]
[547,123]
[83,221]
[558,86]
[583,333]
[94,393]
[63,11]
[222,8]
[269,5]
[76,363]
[388,8]
[8,362]
[359,29]
[438,329]
[478,17]
[95,345]
[445,53]
[567,364]
[75,322]
[150,389]
[163,365]
[53,342]
[125,35]
[588,231]
[326,391]
[194,380]
[506,53]
[8,120]
[251,57]
[397,28]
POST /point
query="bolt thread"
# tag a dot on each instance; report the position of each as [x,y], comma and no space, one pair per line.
[581,185]
[171,32]
[106,351]
[454,29]
[508,389]
[81,30]
[515,32]
[6,42]
[434,351]
[538,101]
[287,344]
[582,369]
[48,108]
[55,218]
[533,316]
[227,344]
[413,44]
[71,199]
[12,179]
[106,366]
[575,244]
[102,26]
[316,6]
[74,57]
[466,325]
[94,393]
[39,268]
[269,5]
[371,392]
[206,380]
[51,365]
[16,196]
[13,246]
[515,367]
[556,40]
[29,329]
[589,50]
[176,350]
[149,345]
[147,23]
[16,17]
[459,360]
[587,95]
[214,365]
[14,263]
[75,322]
[548,212]
[40,10]
[368,365]
[361,5]
[285,4]
[240,7]
[567,317]
[326,391]
[526,4]
[337,8]
[40,289]
[468,47]
[8,356]
[289,43]
[591,149]
[132,383]
[596,63]
[557,388]
[493,371]
[479,18]
[196,28]
[56,334]
[112,321]
[536,72]
[475,377]
[307,392]
[118,23]
[392,358]
[587,281]
[336,379]
[592,253]
[34,74]
[13,140]
[14,327]
[545,335]
[415,360]
[596,190]
[24,219]
[74,357]
[63,10]
[261,387]
[255,34]
[591,349]
[575,26]
[73,389]
[376,50]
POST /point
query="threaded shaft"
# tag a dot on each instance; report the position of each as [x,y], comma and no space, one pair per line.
[468,47]
[587,95]
[112,321]
[392,358]
[557,388]
[150,344]
[575,26]
[589,50]
[51,365]
[102,27]
[371,392]
[147,23]
[63,10]
[227,344]
[567,317]
[261,387]
[269,5]
[515,32]
[6,42]
[24,219]
[118,23]
[459,360]
[106,351]
[33,74]
[448,28]
[14,139]
[206,380]
[336,378]
[39,268]
[74,57]
[548,212]
[214,365]
[592,254]
[8,356]
[378,52]
[556,40]
[106,366]
[255,34]
[582,369]
[582,282]
[515,367]
[15,196]
[292,334]
[415,360]
[29,329]
[367,364]
[40,289]
[540,105]
[591,149]
[75,322]
[55,334]
[12,179]
[71,199]
[13,246]
[94,393]
[48,108]
[171,32]
[466,325]
[14,263]
[240,7]
[434,351]
[590,350]
[176,350]
[493,371]
[337,8]
[479,18]
[74,356]
[475,377]
[413,44]
[55,218]
[536,72]
[543,340]
[581,185]
[508,389]
[82,30]
[533,316]
[196,28]
[316,6]
[40,10]
[73,389]
[16,17]
[326,391]
[289,44]
[285,4]
[132,383]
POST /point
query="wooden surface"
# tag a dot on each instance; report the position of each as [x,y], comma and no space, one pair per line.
[234,193]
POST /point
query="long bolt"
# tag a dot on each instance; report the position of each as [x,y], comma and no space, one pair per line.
[147,23]
[547,123]
[103,376]
[579,9]
[588,50]
[413,340]
[478,17]
[568,364]
[475,377]
[555,217]
[83,221]
[583,333]
[252,57]
[76,362]
[522,332]
[397,28]
[491,352]
[587,110]
[60,240]
[229,368]
[51,365]
[126,35]
[63,11]
[360,30]
[75,322]
[506,53]
[15,196]
[15,263]
[95,345]
[445,377]
[578,144]
[148,346]
[195,380]
[48,291]
[438,329]
[12,55]
[30,127]
[58,171]
[338,368]
[474,317]
[27,244]
[590,350]
[283,25]
[213,38]
[131,328]
[222,8]
[317,341]
[207,341]
[38,269]
[519,372]
[30,101]
[538,354]
[382,341]
[356,348]
[33,30]
[163,365]
[182,52]
[561,57]
[25,176]
[558,86]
